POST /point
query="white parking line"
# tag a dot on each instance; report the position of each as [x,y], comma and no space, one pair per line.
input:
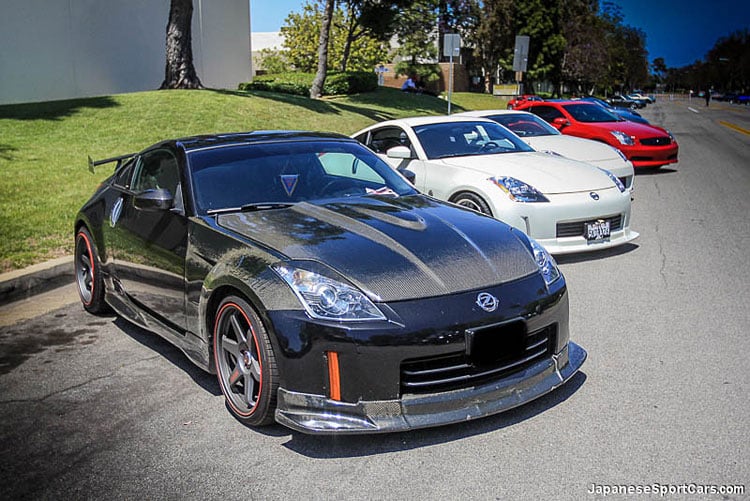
[693,110]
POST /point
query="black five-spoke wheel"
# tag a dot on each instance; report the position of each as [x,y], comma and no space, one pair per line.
[245,363]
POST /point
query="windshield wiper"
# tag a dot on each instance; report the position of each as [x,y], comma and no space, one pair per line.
[265,206]
[258,206]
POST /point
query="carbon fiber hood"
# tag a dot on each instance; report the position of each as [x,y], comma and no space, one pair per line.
[393,248]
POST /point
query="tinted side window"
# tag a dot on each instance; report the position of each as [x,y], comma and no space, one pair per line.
[548,113]
[123,178]
[155,170]
[362,138]
[386,138]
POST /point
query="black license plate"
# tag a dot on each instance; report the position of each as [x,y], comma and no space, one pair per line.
[597,230]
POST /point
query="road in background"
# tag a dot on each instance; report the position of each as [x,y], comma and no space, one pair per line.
[92,407]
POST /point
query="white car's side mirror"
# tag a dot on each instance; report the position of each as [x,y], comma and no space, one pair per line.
[399,152]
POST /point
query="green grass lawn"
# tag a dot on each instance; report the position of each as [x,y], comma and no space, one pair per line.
[44,146]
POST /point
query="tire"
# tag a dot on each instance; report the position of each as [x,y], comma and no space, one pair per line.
[245,363]
[472,201]
[88,271]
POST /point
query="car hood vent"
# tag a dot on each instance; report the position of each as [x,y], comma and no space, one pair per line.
[393,248]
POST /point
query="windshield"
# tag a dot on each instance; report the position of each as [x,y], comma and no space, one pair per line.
[279,174]
[525,124]
[584,112]
[458,139]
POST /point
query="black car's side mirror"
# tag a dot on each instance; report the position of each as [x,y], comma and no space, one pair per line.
[409,175]
[154,200]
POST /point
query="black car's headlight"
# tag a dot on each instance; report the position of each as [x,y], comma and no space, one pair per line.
[517,190]
[326,298]
[545,261]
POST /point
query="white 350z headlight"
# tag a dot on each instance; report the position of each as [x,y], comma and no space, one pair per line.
[546,263]
[517,190]
[326,298]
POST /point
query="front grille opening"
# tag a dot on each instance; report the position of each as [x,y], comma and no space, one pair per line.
[578,228]
[493,353]
[656,141]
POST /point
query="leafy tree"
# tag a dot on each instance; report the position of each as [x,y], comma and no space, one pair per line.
[659,67]
[494,38]
[179,72]
[728,62]
[585,57]
[540,20]
[628,58]
[364,19]
[271,61]
[417,34]
[320,77]
[301,37]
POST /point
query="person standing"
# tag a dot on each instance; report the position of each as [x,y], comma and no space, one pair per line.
[708,96]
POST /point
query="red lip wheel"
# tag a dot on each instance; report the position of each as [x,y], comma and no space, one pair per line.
[88,273]
[245,362]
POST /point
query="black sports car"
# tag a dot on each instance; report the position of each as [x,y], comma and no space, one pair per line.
[322,289]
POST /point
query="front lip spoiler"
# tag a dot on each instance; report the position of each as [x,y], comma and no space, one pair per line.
[317,414]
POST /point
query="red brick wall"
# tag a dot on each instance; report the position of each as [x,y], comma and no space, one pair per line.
[460,78]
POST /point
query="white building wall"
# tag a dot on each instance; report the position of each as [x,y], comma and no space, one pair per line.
[76,48]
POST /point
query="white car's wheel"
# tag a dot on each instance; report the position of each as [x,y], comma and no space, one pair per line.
[471,201]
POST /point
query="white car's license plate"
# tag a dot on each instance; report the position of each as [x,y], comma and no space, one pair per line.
[597,230]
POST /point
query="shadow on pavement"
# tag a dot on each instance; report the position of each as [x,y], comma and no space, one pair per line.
[595,255]
[169,351]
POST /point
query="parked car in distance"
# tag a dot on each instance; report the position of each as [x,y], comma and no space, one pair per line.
[522,99]
[643,145]
[642,101]
[622,102]
[636,94]
[565,205]
[626,113]
[543,137]
[324,291]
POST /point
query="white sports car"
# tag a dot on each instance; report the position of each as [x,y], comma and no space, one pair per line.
[566,205]
[543,137]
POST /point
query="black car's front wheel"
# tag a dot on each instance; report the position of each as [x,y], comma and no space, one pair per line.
[88,273]
[245,362]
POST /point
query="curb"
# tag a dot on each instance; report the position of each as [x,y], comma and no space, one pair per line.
[42,277]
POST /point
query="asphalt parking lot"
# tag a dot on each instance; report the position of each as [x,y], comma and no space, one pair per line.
[93,407]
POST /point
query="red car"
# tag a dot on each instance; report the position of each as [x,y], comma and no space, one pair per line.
[516,101]
[644,145]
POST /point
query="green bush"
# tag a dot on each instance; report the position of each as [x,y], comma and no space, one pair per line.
[350,82]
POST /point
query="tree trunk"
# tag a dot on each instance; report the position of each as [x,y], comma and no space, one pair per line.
[347,51]
[351,36]
[179,72]
[325,28]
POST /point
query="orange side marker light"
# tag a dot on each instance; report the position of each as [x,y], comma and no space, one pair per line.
[334,380]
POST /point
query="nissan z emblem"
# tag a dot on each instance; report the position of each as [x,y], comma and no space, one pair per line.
[487,302]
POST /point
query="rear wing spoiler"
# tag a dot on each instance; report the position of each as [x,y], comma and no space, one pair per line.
[93,164]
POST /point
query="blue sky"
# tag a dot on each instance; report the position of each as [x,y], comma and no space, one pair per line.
[680,31]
